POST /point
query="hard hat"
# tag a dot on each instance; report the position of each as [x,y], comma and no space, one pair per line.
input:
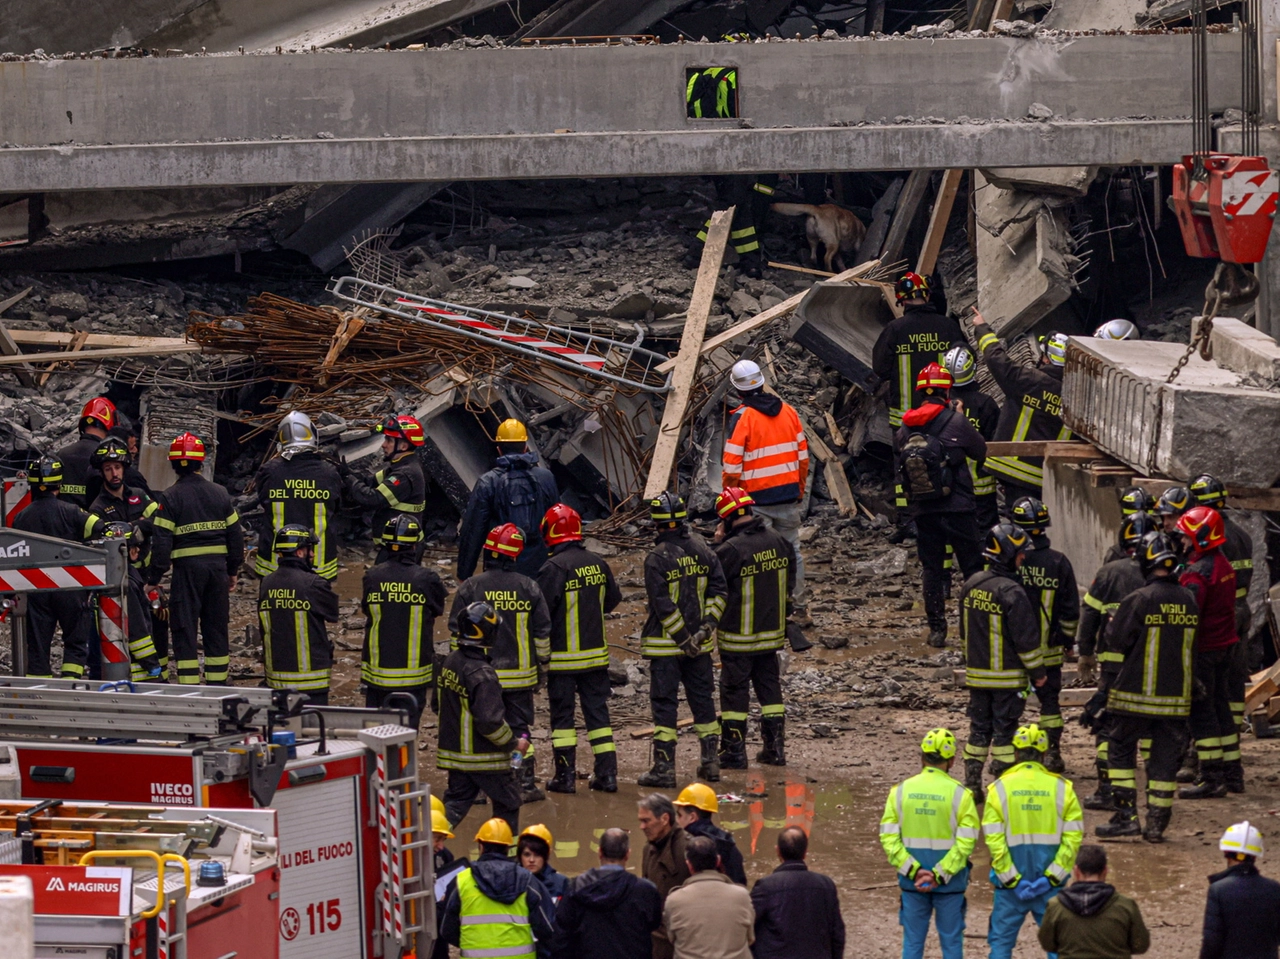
[740,36]
[561,524]
[1031,736]
[538,831]
[1205,527]
[1174,501]
[959,362]
[437,804]
[1136,500]
[186,448]
[478,625]
[1005,542]
[1243,839]
[133,535]
[297,432]
[1030,513]
[699,796]
[512,431]
[1055,348]
[45,473]
[98,410]
[292,537]
[1135,528]
[1208,491]
[939,742]
[505,540]
[401,531]
[1117,330]
[403,428]
[1156,551]
[911,285]
[933,377]
[746,375]
[440,823]
[110,450]
[667,507]
[734,502]
[495,831]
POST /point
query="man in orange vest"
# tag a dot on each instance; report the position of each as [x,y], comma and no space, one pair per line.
[766,454]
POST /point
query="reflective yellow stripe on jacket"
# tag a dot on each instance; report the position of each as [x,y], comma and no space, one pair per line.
[492,929]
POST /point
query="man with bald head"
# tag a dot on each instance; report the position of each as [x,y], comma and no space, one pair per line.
[607,913]
[797,911]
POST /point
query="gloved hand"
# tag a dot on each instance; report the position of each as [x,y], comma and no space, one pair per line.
[544,670]
[1030,890]
[1088,670]
[691,643]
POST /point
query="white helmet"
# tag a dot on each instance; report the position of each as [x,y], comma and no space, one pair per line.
[960,364]
[1242,839]
[746,375]
[1117,330]
[296,433]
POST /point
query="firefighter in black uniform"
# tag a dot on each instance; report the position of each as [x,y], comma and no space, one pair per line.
[476,743]
[197,530]
[750,195]
[300,487]
[144,663]
[910,343]
[1032,408]
[1169,508]
[1111,584]
[687,591]
[96,420]
[69,609]
[1132,500]
[1148,676]
[759,571]
[580,589]
[521,653]
[1001,636]
[294,606]
[984,413]
[401,601]
[401,486]
[1050,583]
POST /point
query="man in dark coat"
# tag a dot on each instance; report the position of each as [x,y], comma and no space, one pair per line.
[797,911]
[607,913]
[1242,913]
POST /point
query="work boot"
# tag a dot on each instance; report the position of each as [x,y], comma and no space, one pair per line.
[1157,822]
[997,768]
[733,745]
[1211,784]
[1233,776]
[709,760]
[566,777]
[604,778]
[973,779]
[937,638]
[663,773]
[774,751]
[1125,820]
[1053,760]
[1190,771]
[692,258]
[1102,800]
[529,791]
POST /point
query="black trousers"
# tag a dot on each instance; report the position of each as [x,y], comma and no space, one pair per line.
[987,514]
[501,788]
[1050,709]
[934,533]
[1238,678]
[993,719]
[160,637]
[592,689]
[199,604]
[1216,736]
[1167,737]
[375,697]
[697,675]
[46,612]
[739,672]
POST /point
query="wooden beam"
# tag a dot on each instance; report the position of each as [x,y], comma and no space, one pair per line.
[1058,449]
[117,353]
[77,344]
[800,269]
[837,482]
[905,215]
[837,435]
[349,326]
[9,347]
[1241,497]
[92,340]
[938,220]
[686,368]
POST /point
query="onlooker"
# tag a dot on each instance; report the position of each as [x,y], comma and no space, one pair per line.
[664,856]
[607,913]
[797,911]
[1242,914]
[709,916]
[1089,919]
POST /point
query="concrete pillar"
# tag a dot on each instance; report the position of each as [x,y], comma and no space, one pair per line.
[1268,306]
[17,917]
[1086,518]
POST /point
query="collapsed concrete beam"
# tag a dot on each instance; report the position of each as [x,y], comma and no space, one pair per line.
[1241,348]
[1061,181]
[344,215]
[840,323]
[95,24]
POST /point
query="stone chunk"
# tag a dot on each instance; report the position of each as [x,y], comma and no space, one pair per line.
[71,305]
[1243,349]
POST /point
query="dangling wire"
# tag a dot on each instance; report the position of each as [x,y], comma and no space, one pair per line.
[1251,76]
[1201,127]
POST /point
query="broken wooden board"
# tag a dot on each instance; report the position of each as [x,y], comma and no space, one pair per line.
[837,481]
[52,339]
[837,435]
[349,326]
[112,353]
[1262,687]
[938,220]
[76,345]
[684,722]
[1058,449]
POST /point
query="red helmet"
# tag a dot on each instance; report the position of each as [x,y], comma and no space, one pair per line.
[403,428]
[562,524]
[98,410]
[185,448]
[911,285]
[1204,525]
[734,501]
[933,377]
[505,540]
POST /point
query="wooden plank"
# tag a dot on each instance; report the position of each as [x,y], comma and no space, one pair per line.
[77,343]
[686,368]
[348,327]
[799,269]
[118,353]
[837,435]
[837,482]
[9,346]
[1273,707]
[92,340]
[905,215]
[1260,693]
[938,220]
[1059,449]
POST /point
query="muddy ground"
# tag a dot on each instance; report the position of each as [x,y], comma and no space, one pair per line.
[855,717]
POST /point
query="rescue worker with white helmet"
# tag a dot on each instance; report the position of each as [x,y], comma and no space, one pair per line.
[983,412]
[695,806]
[1242,912]
[1117,330]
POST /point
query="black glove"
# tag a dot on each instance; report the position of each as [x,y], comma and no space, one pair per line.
[1095,711]
[691,643]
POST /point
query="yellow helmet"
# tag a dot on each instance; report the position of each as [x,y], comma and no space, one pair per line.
[512,431]
[699,796]
[939,742]
[495,831]
[540,831]
[1031,736]
[437,804]
[440,824]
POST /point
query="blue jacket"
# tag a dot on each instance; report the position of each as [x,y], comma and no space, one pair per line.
[517,490]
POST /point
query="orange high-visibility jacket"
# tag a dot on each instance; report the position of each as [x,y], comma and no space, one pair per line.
[768,456]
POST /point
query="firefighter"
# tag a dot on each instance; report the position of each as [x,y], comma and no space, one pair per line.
[1111,584]
[1032,409]
[712,93]
[522,652]
[750,195]
[1212,582]
[294,606]
[517,490]
[476,743]
[932,449]
[97,419]
[1148,680]
[144,662]
[686,590]
[1117,330]
[928,830]
[695,806]
[400,486]
[766,454]
[760,574]
[401,600]
[910,343]
[197,530]
[1033,828]
[298,486]
[580,590]
[68,609]
[1050,583]
[1169,508]
[1001,636]
[1132,501]
[984,413]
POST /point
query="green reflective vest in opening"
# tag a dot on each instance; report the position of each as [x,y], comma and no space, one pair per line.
[491,928]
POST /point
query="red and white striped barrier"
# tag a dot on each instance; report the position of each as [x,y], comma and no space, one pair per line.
[17,497]
[112,630]
[92,576]
[589,360]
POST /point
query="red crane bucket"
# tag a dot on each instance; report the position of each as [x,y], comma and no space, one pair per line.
[1225,206]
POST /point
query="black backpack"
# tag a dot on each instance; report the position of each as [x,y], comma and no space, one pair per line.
[517,502]
[923,464]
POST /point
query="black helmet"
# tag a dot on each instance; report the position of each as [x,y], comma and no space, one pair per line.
[1135,528]
[478,625]
[667,508]
[111,450]
[1157,552]
[45,474]
[1030,513]
[1209,491]
[1174,501]
[402,532]
[292,537]
[1136,500]
[1005,543]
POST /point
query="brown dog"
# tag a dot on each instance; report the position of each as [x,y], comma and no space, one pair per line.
[836,228]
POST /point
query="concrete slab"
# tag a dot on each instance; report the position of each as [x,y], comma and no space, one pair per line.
[1086,518]
[1241,348]
[839,323]
[93,25]
[163,418]
[346,217]
[599,465]
[1061,181]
